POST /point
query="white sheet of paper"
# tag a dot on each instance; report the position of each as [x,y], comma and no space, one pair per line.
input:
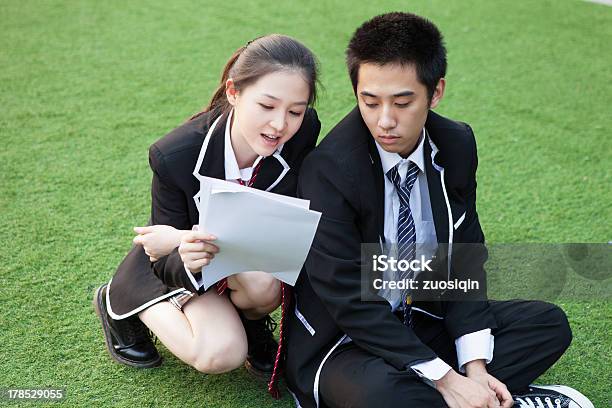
[255,230]
[209,184]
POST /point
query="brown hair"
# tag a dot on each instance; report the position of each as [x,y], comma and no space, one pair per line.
[259,57]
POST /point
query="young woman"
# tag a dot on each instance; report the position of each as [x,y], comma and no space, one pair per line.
[255,131]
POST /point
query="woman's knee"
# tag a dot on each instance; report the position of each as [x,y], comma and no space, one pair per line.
[225,355]
[263,290]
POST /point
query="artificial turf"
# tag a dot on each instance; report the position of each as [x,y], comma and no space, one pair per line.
[86,86]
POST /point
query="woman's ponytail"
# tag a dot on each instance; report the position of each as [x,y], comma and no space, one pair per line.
[218,103]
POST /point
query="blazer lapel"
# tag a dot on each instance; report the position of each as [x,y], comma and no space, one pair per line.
[269,172]
[379,182]
[436,195]
[213,164]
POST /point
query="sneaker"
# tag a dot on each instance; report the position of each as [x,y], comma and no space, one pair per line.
[128,341]
[262,346]
[551,396]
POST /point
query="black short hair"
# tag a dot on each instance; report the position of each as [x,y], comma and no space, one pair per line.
[399,38]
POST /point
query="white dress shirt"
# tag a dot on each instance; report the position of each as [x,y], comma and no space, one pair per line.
[472,346]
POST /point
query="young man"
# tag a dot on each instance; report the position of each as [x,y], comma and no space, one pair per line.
[392,171]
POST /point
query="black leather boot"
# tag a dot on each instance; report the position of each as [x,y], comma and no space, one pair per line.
[128,340]
[262,346]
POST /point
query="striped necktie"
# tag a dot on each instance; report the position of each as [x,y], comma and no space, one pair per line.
[406,233]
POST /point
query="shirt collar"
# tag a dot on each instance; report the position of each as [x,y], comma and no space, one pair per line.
[389,160]
[232,171]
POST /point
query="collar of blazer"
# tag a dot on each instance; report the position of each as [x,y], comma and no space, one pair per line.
[211,158]
[437,190]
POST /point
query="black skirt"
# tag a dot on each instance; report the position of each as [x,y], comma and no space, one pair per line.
[136,286]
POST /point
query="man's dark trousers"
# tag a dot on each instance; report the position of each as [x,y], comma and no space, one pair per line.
[530,337]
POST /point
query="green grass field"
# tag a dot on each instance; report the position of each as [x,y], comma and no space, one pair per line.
[86,86]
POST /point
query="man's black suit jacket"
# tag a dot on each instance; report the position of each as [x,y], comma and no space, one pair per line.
[137,282]
[343,179]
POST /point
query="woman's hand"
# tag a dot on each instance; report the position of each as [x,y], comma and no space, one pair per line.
[196,250]
[158,240]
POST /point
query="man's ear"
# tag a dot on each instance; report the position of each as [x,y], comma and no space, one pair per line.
[230,91]
[438,93]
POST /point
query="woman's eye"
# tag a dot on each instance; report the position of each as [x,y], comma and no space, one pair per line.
[266,107]
[296,113]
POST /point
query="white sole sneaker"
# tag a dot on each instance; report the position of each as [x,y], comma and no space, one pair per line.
[552,396]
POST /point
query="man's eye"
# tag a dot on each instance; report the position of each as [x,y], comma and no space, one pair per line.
[371,105]
[266,107]
[402,105]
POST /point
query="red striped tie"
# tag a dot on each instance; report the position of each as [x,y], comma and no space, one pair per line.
[221,286]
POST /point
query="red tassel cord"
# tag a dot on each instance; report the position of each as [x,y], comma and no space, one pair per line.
[276,372]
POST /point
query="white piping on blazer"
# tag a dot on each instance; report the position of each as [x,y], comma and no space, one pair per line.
[318,373]
[434,151]
[140,308]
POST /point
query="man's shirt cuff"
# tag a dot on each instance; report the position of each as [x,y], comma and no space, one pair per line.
[196,283]
[474,346]
[432,370]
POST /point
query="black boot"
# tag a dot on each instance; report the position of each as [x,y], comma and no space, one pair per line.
[262,346]
[128,340]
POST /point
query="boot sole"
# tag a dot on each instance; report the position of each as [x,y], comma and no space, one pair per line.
[99,309]
[263,376]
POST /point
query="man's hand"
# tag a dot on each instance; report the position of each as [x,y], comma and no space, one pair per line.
[158,240]
[477,371]
[462,392]
[196,250]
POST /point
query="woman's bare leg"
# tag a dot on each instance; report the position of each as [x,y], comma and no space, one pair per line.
[255,293]
[208,334]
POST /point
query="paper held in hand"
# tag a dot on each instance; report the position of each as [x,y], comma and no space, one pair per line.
[255,230]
